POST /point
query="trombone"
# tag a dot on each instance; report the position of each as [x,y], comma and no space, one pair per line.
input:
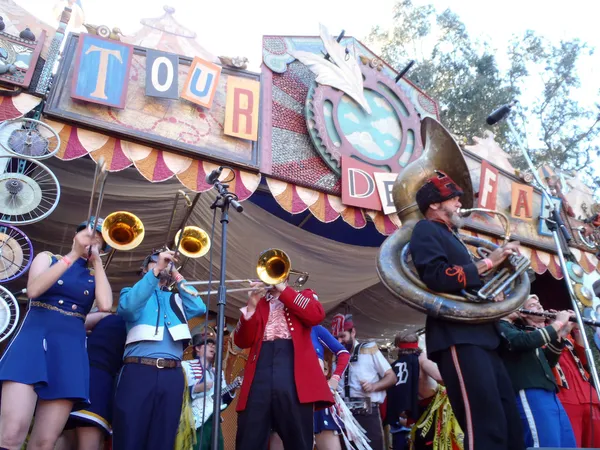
[121,230]
[273,267]
[190,241]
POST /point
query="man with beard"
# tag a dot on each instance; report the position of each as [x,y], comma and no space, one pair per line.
[366,380]
[201,378]
[151,384]
[478,386]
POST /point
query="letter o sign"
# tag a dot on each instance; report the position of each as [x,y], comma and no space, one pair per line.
[162,74]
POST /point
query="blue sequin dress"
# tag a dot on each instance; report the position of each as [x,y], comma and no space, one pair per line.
[49,350]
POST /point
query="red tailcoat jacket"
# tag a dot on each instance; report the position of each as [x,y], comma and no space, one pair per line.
[303,312]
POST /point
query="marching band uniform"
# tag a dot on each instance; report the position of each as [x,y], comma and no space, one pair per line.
[577,395]
[321,339]
[544,420]
[49,350]
[367,364]
[283,381]
[149,395]
[478,386]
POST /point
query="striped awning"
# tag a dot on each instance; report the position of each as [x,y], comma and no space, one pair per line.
[154,164]
[17,106]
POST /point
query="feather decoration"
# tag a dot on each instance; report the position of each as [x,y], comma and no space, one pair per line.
[341,73]
[350,428]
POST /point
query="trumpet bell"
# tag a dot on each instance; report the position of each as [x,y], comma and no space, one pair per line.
[123,230]
[273,266]
[194,243]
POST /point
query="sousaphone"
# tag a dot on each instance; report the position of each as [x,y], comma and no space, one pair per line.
[394,265]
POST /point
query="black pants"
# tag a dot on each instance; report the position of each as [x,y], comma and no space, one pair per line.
[373,427]
[273,403]
[147,407]
[482,397]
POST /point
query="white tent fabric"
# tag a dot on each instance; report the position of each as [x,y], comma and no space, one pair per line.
[338,272]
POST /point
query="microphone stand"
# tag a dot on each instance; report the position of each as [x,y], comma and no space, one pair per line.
[555,223]
[224,200]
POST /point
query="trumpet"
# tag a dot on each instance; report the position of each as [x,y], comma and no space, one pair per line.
[273,267]
[121,230]
[551,315]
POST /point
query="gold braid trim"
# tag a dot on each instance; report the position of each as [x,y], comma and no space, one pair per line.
[56,309]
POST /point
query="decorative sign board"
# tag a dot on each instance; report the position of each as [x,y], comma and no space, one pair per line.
[173,124]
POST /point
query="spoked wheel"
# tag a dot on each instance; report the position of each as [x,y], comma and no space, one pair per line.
[9,313]
[29,191]
[16,253]
[29,138]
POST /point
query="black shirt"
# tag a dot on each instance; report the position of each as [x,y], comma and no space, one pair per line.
[403,396]
[445,265]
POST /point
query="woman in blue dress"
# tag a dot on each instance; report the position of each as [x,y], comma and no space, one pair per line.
[325,428]
[45,368]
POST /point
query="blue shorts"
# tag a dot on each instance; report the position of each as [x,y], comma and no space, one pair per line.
[324,421]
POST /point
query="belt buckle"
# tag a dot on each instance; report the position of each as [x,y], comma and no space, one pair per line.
[160,365]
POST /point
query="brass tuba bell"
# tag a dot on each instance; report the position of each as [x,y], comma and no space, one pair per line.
[393,262]
[194,242]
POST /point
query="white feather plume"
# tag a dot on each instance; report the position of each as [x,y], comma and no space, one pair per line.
[343,73]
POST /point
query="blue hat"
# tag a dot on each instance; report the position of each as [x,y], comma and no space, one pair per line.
[83,225]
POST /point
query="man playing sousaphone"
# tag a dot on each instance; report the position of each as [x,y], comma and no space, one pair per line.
[478,386]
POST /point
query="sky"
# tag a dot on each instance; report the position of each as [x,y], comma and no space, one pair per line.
[236,27]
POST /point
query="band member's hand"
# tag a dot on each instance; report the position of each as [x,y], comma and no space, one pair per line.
[333,383]
[563,316]
[164,259]
[81,242]
[367,387]
[500,297]
[255,296]
[500,254]
[199,386]
[95,256]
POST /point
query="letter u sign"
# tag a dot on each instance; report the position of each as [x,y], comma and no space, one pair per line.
[201,83]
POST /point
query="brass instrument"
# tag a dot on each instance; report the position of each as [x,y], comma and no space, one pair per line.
[273,267]
[507,273]
[190,241]
[121,230]
[394,267]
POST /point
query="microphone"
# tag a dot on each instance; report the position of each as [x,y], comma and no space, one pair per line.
[214,175]
[500,113]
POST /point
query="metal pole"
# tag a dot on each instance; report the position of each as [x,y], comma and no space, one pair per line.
[223,201]
[561,257]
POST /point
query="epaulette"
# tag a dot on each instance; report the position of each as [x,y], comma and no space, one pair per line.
[370,348]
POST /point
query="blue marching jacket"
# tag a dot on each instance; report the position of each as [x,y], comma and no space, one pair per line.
[140,306]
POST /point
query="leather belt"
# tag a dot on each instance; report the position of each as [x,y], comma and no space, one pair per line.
[159,363]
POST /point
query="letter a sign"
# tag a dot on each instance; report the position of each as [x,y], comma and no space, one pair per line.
[101,73]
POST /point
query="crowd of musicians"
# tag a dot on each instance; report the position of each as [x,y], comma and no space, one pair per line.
[76,369]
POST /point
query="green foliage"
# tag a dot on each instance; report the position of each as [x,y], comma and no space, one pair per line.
[463,75]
